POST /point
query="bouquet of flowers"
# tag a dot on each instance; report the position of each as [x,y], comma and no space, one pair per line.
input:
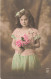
[23,41]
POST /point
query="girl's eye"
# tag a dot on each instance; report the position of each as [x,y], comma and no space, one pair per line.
[25,19]
[21,19]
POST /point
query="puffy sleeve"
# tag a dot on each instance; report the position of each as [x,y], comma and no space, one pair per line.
[14,34]
[36,34]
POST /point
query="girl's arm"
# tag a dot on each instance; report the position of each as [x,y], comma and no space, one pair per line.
[37,44]
[14,44]
[16,47]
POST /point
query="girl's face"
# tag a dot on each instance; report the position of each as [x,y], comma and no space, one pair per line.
[24,21]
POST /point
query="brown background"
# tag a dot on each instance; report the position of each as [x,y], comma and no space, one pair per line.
[40,10]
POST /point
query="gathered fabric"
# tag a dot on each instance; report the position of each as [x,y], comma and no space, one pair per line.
[25,63]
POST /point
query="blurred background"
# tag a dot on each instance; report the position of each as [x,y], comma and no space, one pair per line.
[41,12]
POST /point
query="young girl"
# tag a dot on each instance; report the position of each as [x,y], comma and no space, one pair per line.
[25,41]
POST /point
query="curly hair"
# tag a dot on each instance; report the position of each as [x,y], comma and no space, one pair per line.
[28,15]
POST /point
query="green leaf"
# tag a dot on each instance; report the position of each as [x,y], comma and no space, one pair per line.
[22,39]
[22,47]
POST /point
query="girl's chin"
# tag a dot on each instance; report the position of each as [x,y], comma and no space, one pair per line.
[24,26]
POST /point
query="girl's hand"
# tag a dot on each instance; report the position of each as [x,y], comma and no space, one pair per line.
[20,50]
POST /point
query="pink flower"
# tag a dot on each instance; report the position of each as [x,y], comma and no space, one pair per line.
[27,41]
[24,41]
[25,37]
[19,43]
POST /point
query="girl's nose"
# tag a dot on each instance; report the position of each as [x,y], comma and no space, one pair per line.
[24,21]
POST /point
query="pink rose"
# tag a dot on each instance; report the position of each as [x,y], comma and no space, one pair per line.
[24,43]
[27,41]
[25,37]
[19,43]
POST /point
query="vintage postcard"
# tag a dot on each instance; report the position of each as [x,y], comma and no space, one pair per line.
[26,39]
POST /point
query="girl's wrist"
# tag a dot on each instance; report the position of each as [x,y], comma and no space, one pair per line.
[22,49]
